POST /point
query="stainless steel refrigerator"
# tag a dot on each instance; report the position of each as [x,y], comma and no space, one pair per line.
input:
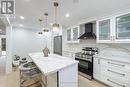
[58,45]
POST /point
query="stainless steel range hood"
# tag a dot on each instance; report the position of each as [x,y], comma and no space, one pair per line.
[88,32]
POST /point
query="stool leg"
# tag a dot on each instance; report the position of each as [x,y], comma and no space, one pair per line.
[44,84]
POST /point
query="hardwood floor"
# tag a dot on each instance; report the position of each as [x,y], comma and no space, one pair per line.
[13,80]
[10,80]
[83,82]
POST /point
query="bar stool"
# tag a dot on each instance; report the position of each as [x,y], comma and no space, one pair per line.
[30,75]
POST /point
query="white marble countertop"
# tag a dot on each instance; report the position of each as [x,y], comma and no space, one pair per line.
[51,64]
[114,57]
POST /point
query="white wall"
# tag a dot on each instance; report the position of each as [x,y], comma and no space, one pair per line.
[27,41]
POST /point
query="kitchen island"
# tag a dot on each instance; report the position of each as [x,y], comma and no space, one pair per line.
[58,71]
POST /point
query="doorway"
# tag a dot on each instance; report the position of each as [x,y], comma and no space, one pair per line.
[2,48]
[2,56]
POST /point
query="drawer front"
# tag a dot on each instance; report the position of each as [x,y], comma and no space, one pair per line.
[119,65]
[114,82]
[116,73]
[68,54]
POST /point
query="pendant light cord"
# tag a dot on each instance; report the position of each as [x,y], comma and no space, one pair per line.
[46,18]
[55,14]
[56,7]
[40,20]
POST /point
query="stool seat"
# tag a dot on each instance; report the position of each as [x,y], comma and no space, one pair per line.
[30,74]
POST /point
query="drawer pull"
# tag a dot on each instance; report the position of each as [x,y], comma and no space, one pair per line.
[98,61]
[116,64]
[116,72]
[115,83]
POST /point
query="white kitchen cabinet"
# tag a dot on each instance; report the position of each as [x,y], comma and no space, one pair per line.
[123,27]
[69,34]
[115,29]
[104,30]
[97,69]
[114,82]
[113,73]
[73,34]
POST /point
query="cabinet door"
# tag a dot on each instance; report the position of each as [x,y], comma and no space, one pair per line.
[75,33]
[97,69]
[69,35]
[123,27]
[104,30]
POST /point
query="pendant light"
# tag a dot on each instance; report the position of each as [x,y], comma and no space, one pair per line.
[56,25]
[46,23]
[40,33]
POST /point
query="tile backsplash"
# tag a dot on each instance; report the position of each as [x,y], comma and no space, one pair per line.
[116,48]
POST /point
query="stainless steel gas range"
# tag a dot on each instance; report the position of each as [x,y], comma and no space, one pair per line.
[85,59]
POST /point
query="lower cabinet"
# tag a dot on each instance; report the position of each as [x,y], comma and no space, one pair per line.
[115,74]
[115,82]
[97,69]
[68,54]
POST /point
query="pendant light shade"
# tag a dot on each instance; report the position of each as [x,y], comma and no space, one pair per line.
[56,26]
[40,33]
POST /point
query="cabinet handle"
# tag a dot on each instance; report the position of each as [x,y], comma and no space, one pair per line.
[98,61]
[116,64]
[111,38]
[115,83]
[115,72]
[114,37]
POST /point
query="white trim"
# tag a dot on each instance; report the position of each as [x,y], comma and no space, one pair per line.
[8,49]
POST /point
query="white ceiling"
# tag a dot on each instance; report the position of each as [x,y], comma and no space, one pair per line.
[32,10]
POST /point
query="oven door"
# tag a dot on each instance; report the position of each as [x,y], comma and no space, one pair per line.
[85,67]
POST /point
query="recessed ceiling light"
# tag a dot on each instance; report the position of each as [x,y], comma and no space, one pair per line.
[67,15]
[21,17]
[20,25]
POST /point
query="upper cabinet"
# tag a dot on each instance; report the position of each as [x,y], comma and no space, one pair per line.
[114,30]
[73,34]
[123,27]
[69,34]
[104,30]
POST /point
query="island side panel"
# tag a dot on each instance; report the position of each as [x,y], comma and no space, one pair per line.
[68,77]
